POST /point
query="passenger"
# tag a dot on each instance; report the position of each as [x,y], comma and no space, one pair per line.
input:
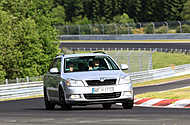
[71,67]
[90,65]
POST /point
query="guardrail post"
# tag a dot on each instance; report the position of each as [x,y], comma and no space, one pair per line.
[67,29]
[166,26]
[6,81]
[127,27]
[27,79]
[128,63]
[79,29]
[139,25]
[89,25]
[150,61]
[102,28]
[140,61]
[153,26]
[180,26]
[16,80]
[116,29]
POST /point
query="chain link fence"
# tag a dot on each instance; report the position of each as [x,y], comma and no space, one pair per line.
[136,60]
[128,28]
[22,80]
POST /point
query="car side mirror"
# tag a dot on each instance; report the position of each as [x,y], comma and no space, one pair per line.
[124,67]
[54,71]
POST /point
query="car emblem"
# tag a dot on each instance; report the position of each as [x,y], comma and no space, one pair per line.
[102,79]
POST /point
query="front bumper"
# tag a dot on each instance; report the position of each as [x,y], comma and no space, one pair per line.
[121,93]
[113,101]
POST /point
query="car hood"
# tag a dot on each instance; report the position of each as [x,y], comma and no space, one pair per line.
[94,75]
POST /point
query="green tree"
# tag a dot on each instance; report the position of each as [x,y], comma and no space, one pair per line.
[175,8]
[108,11]
[58,14]
[7,45]
[73,10]
[186,11]
[123,19]
[28,38]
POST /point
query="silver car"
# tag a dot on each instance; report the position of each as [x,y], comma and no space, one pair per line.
[83,79]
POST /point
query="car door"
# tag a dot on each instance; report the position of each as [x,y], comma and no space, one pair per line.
[54,80]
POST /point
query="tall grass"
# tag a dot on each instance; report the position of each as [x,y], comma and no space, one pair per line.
[161,59]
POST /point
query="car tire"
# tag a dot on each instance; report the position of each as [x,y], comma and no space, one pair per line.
[62,102]
[48,104]
[107,106]
[128,104]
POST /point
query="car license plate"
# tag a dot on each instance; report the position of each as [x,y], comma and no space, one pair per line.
[103,90]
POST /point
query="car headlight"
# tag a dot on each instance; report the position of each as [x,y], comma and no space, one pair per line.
[74,83]
[125,80]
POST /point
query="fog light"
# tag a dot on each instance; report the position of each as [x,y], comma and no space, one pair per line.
[127,93]
[75,96]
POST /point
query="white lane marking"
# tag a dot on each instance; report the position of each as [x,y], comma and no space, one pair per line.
[151,102]
[159,107]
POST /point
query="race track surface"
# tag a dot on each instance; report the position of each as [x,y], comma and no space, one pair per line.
[118,44]
[32,112]
[162,87]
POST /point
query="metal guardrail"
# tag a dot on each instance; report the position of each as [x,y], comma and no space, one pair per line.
[18,90]
[174,36]
[160,73]
[26,89]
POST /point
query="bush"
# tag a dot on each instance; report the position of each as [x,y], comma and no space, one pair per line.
[171,31]
[124,29]
[149,29]
[162,29]
[138,31]
[122,19]
[185,29]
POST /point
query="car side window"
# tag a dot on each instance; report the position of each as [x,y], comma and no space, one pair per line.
[56,64]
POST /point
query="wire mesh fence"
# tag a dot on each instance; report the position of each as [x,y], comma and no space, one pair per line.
[136,60]
[22,80]
[127,28]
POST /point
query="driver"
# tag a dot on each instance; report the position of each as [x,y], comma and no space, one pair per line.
[96,64]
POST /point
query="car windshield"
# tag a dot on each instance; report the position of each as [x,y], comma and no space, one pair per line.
[89,63]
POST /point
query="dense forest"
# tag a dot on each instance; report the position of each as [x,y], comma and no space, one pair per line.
[112,11]
[28,35]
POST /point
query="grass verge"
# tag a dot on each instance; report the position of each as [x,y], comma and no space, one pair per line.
[161,81]
[129,41]
[161,59]
[182,93]
[20,98]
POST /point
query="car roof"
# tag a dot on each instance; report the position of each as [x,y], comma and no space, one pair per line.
[84,54]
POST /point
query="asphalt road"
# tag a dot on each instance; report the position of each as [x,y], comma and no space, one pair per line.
[163,87]
[125,45]
[31,111]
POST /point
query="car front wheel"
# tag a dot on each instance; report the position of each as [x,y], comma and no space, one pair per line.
[128,104]
[107,106]
[48,104]
[62,102]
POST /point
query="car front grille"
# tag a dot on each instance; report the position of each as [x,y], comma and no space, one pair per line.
[103,95]
[99,83]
